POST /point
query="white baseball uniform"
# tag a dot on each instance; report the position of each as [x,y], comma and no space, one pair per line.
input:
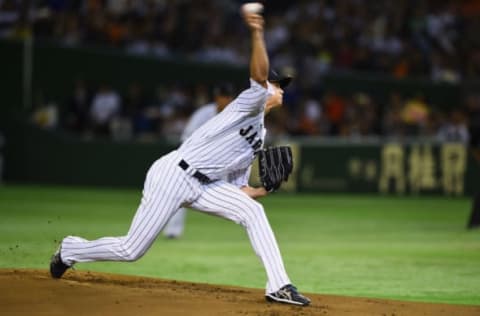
[223,147]
[176,224]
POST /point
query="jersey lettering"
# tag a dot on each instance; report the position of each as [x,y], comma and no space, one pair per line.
[240,129]
[257,143]
[244,132]
[251,138]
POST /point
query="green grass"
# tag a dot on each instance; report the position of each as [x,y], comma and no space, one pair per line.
[373,246]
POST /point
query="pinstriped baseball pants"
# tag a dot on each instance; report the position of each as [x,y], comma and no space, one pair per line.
[167,188]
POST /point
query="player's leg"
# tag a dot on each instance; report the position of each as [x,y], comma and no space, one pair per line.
[145,227]
[223,199]
[166,189]
[176,224]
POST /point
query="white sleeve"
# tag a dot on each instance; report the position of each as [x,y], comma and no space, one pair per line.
[240,178]
[253,99]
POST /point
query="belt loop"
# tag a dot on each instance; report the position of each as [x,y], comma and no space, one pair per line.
[183,164]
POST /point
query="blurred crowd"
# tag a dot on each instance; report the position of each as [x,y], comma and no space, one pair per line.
[433,39]
[101,111]
[428,38]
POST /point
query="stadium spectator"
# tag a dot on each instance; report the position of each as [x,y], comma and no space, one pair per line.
[45,114]
[415,115]
[133,109]
[355,35]
[78,106]
[106,104]
[310,118]
[455,129]
[392,123]
[436,40]
[335,106]
[360,118]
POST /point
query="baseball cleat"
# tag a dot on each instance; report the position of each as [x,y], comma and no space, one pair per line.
[57,267]
[289,295]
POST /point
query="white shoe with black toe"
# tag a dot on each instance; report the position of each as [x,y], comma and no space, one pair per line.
[288,295]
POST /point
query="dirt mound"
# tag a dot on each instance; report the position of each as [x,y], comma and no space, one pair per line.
[33,292]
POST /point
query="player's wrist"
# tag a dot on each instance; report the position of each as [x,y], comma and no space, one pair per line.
[262,191]
[257,33]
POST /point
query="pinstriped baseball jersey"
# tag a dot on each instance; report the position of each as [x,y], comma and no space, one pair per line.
[197,175]
[238,178]
[199,118]
[223,149]
[228,142]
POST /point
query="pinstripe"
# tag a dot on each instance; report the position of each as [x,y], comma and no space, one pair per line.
[203,155]
[168,210]
[258,249]
[247,221]
[175,224]
[214,146]
[146,212]
[159,214]
[266,232]
[150,209]
[222,199]
[266,237]
[152,214]
[222,149]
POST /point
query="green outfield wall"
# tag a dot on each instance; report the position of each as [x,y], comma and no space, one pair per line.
[390,167]
[36,156]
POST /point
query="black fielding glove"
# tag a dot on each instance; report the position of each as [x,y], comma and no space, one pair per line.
[275,165]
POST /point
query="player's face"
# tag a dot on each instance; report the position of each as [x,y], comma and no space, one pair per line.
[277,97]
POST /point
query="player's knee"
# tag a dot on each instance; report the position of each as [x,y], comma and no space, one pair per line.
[254,211]
[131,254]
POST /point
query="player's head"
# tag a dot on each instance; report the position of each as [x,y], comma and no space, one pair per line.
[278,82]
[281,80]
[223,94]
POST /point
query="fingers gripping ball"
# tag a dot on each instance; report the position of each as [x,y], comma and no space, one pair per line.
[275,165]
[253,7]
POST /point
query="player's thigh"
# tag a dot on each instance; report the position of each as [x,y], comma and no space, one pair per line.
[226,200]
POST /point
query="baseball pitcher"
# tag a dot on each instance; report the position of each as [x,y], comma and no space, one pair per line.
[224,147]
[223,95]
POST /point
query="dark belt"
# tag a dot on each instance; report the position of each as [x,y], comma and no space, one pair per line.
[197,175]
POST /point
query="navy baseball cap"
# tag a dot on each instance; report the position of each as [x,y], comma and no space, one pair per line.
[283,80]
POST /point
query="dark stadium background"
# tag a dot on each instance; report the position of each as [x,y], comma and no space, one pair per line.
[383,118]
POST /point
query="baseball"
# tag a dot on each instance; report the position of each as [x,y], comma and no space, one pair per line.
[252,7]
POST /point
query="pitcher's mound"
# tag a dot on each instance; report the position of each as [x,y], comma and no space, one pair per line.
[33,292]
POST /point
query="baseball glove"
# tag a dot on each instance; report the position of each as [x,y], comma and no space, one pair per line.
[275,165]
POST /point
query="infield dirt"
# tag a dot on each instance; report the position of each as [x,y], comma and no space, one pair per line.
[33,292]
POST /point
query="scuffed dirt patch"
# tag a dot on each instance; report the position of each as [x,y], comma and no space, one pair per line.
[33,292]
